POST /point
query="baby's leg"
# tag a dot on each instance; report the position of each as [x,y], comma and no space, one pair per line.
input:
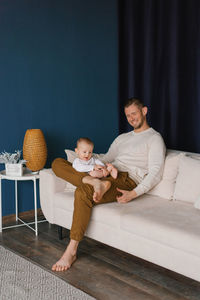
[100,187]
[112,170]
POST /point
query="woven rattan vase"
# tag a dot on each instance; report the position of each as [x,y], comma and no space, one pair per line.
[34,149]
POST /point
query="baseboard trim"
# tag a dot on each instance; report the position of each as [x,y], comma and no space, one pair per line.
[23,215]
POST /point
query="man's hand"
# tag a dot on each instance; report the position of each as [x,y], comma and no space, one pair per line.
[126,196]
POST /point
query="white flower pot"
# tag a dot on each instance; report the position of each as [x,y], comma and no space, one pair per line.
[14,169]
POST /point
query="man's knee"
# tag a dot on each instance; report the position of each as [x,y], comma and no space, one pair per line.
[57,163]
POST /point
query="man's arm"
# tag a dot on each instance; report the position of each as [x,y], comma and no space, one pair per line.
[111,154]
[156,157]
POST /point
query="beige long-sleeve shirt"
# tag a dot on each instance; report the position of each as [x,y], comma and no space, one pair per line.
[141,155]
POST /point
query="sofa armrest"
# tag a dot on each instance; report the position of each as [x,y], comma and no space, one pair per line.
[49,185]
[54,183]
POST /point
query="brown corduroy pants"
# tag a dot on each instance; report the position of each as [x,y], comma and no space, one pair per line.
[83,201]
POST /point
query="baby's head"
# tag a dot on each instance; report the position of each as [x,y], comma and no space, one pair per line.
[84,148]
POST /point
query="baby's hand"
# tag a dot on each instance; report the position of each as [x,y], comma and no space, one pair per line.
[96,173]
[105,172]
[109,165]
[98,167]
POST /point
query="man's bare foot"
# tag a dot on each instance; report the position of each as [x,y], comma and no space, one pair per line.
[100,189]
[65,262]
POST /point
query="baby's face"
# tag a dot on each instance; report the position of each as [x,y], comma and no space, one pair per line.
[84,151]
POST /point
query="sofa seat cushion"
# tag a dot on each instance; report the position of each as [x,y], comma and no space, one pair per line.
[173,223]
[104,213]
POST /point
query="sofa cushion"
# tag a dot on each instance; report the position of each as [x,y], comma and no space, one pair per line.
[197,203]
[71,155]
[110,211]
[165,188]
[187,186]
[172,223]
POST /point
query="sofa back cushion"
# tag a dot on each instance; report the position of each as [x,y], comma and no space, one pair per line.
[71,155]
[187,186]
[165,188]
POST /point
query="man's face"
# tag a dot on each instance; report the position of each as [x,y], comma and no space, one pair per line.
[84,151]
[136,116]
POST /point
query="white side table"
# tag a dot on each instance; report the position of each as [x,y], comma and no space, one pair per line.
[28,175]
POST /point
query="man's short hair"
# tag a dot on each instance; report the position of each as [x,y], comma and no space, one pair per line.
[134,101]
[86,140]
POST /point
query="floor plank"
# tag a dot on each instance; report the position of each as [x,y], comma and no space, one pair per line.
[101,271]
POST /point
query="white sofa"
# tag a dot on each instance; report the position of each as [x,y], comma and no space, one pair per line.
[162,226]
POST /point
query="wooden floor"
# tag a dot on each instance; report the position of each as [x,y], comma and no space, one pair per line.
[101,271]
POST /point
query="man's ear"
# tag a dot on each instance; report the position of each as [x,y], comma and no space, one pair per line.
[144,110]
[76,150]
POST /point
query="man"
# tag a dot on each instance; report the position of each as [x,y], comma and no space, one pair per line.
[139,157]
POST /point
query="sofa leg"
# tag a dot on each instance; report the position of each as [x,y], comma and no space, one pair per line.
[60,233]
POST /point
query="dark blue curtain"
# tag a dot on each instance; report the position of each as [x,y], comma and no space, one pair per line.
[159,43]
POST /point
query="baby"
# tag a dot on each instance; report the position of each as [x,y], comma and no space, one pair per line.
[86,162]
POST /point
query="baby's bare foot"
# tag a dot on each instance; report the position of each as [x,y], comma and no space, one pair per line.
[114,172]
[100,189]
[65,262]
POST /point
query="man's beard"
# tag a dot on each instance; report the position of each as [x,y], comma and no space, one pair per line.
[140,124]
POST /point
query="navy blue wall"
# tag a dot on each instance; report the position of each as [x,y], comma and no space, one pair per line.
[59,73]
